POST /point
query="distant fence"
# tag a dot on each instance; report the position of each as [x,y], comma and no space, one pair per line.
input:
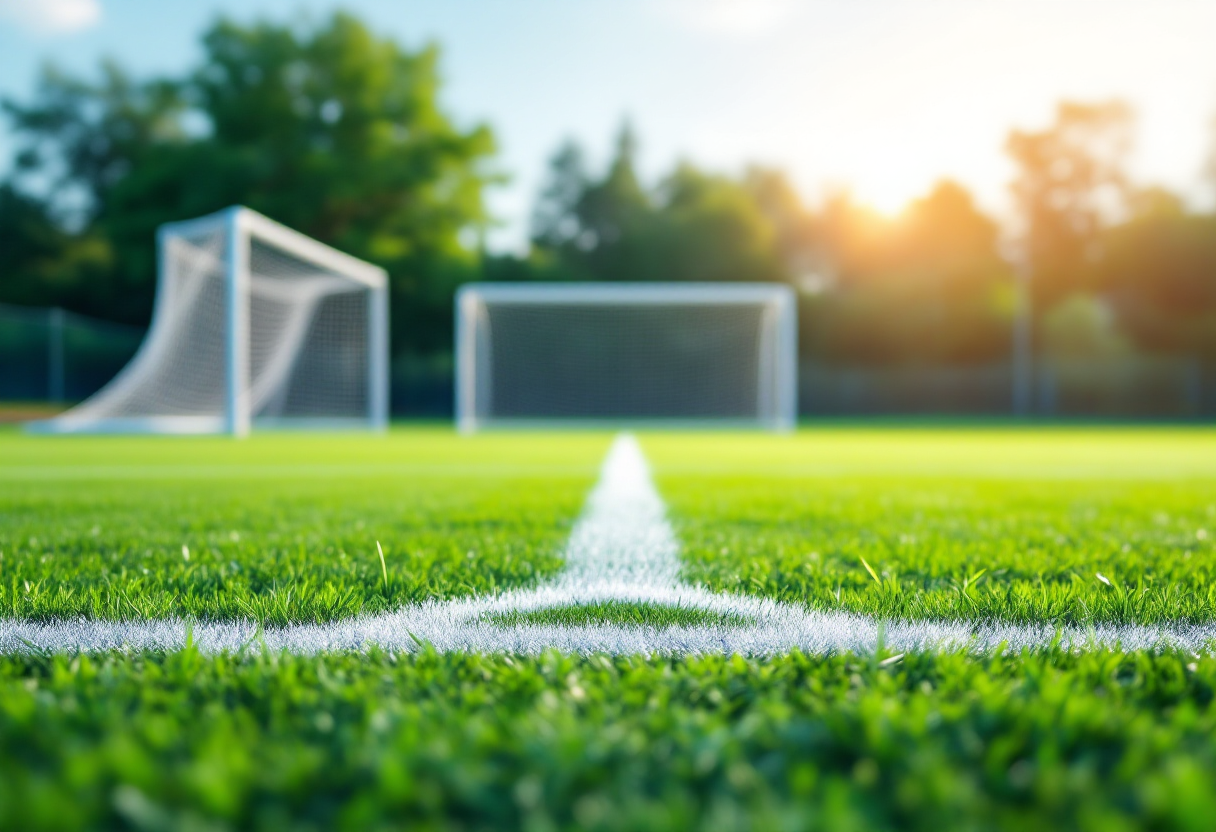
[52,355]
[1129,388]
[423,387]
[1133,387]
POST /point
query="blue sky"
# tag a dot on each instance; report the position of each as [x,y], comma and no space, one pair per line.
[884,96]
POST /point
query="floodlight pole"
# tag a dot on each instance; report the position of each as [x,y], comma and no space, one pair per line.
[1023,392]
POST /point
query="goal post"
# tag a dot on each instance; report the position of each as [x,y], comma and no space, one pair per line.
[254,326]
[663,354]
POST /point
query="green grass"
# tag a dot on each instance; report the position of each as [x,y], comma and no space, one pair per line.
[961,522]
[982,524]
[620,613]
[278,529]
[989,523]
[1095,742]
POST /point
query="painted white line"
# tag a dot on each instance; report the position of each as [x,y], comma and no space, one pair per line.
[58,473]
[622,549]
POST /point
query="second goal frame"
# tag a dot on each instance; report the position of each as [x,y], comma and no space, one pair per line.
[777,377]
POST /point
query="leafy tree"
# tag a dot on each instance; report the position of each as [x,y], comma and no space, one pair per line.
[1159,272]
[926,286]
[53,263]
[555,219]
[331,130]
[791,222]
[693,226]
[597,228]
[76,142]
[1071,183]
[712,227]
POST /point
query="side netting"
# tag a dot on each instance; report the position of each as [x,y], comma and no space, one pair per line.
[253,324]
[687,354]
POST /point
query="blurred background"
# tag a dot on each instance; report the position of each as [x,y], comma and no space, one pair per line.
[987,209]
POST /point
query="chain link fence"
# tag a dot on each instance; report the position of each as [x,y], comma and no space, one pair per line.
[1139,387]
[49,355]
[52,355]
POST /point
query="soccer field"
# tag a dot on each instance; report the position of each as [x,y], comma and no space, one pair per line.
[925,628]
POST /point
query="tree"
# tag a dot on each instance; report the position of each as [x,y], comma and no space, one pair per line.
[792,223]
[693,226]
[926,286]
[80,139]
[331,130]
[76,142]
[1159,272]
[711,227]
[1210,166]
[555,219]
[601,228]
[1070,185]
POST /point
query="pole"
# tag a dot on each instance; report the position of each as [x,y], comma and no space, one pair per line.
[1023,380]
[55,358]
[466,359]
[237,325]
[377,357]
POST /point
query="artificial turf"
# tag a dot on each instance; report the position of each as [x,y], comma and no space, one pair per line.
[1004,523]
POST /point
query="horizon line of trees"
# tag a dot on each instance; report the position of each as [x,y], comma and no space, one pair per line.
[342,134]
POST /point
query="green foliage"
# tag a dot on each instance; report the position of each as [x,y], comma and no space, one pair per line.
[1091,238]
[332,130]
[925,286]
[693,226]
[1159,272]
[41,264]
[1071,180]
[1081,327]
[341,134]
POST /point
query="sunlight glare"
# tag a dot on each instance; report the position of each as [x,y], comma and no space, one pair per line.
[734,17]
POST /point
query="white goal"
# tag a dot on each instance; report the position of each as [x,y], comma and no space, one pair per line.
[695,354]
[254,325]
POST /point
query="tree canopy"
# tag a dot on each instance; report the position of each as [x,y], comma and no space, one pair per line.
[343,135]
[693,226]
[330,130]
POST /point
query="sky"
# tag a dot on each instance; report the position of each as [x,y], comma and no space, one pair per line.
[884,97]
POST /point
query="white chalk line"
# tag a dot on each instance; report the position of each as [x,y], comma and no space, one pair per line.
[623,549]
[59,473]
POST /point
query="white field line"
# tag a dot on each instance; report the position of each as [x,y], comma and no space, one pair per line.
[621,549]
[56,473]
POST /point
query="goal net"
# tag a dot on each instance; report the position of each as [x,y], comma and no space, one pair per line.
[254,325]
[667,353]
